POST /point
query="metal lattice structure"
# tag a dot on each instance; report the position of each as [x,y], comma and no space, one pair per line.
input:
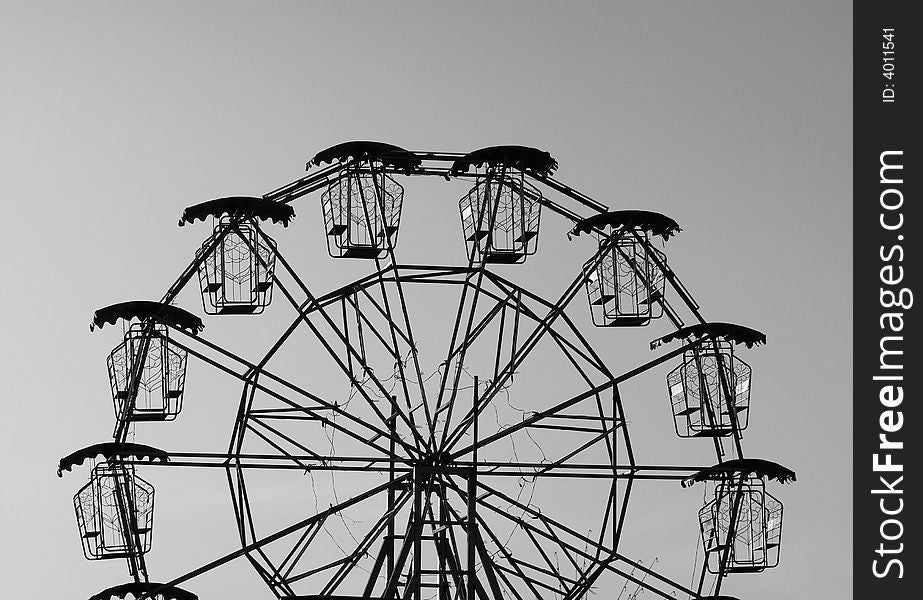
[500,218]
[708,384]
[234,279]
[115,513]
[439,468]
[147,375]
[752,540]
[625,285]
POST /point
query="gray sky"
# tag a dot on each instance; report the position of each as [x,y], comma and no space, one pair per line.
[734,118]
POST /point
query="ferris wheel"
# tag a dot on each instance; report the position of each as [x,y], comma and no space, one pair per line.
[443,431]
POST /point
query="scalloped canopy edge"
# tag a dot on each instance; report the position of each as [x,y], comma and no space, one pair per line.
[736,334]
[523,158]
[146,309]
[249,206]
[388,154]
[111,450]
[654,223]
[743,466]
[144,589]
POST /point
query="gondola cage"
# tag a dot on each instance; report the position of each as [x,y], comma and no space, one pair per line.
[147,373]
[753,543]
[712,381]
[362,213]
[624,286]
[500,218]
[237,262]
[160,369]
[501,214]
[709,383]
[741,524]
[625,283]
[115,513]
[362,205]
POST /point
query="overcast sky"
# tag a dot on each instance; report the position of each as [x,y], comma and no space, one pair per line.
[734,118]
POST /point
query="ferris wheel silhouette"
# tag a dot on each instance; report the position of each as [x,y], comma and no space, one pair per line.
[450,466]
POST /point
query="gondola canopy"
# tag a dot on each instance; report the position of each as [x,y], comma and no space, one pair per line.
[519,157]
[109,450]
[653,222]
[144,589]
[757,467]
[144,309]
[735,334]
[387,154]
[233,206]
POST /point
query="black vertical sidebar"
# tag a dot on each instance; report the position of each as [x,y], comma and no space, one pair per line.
[887,363]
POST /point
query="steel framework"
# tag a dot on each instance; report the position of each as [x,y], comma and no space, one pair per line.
[434,496]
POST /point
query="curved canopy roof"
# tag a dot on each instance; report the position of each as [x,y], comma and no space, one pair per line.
[520,157]
[652,222]
[144,589]
[736,334]
[145,309]
[743,466]
[253,207]
[386,153]
[111,450]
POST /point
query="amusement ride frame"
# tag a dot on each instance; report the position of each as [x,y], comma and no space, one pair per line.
[438,530]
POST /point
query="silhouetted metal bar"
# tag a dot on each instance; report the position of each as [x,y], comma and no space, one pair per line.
[566,345]
[383,313]
[575,400]
[642,275]
[414,530]
[543,326]
[333,354]
[364,545]
[347,369]
[552,570]
[731,532]
[278,396]
[382,465]
[453,556]
[729,398]
[389,317]
[376,569]
[451,354]
[708,405]
[520,309]
[273,537]
[588,579]
[325,567]
[671,276]
[578,450]
[478,329]
[607,563]
[531,582]
[561,544]
[392,451]
[509,558]
[409,334]
[472,527]
[560,526]
[309,183]
[287,438]
[297,551]
[568,191]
